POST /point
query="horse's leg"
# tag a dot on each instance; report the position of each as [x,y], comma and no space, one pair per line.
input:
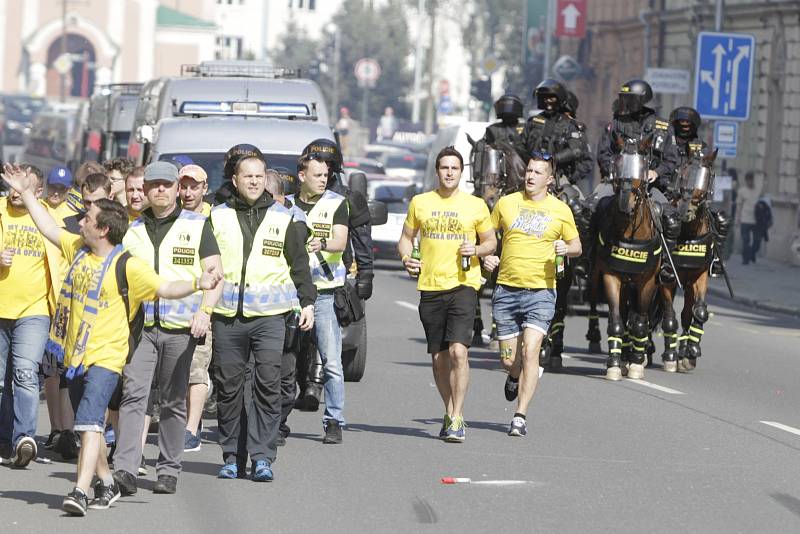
[699,313]
[686,321]
[593,334]
[669,325]
[613,287]
[555,337]
[624,311]
[639,325]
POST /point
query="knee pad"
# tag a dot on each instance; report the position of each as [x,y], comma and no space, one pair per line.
[669,324]
[700,312]
[615,330]
[638,325]
[671,224]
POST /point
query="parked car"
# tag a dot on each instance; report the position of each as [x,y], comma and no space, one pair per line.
[396,194]
[20,110]
[407,165]
[366,165]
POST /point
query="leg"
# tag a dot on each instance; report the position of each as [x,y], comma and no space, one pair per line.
[637,325]
[198,385]
[460,316]
[266,334]
[329,343]
[231,351]
[459,377]
[669,325]
[555,335]
[616,330]
[747,235]
[593,335]
[530,368]
[53,398]
[538,308]
[441,375]
[288,390]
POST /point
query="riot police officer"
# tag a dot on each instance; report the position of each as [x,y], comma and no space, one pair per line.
[685,122]
[555,132]
[508,109]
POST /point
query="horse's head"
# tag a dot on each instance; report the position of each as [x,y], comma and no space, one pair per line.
[695,182]
[629,172]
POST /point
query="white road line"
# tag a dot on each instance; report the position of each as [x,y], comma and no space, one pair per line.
[781,426]
[662,389]
[405,304]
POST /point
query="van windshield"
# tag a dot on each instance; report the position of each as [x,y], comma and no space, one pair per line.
[214,162]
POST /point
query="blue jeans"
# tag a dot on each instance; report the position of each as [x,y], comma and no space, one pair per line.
[89,395]
[22,344]
[329,342]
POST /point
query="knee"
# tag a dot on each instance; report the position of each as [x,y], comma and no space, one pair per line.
[26,377]
[458,354]
[638,325]
[615,329]
[669,324]
[700,312]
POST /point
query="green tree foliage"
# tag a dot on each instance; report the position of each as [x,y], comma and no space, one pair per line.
[295,50]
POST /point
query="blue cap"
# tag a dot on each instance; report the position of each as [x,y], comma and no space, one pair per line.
[60,175]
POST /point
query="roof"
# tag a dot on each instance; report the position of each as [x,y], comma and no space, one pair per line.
[170,17]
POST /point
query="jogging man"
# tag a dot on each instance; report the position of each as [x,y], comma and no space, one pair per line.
[536,228]
[450,223]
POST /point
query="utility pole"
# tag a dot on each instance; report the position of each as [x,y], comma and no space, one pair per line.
[548,38]
[63,86]
[418,63]
[337,67]
[431,59]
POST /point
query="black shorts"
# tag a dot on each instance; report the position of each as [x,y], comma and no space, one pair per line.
[448,316]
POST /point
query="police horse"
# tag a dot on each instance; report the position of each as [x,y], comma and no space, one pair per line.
[695,250]
[628,259]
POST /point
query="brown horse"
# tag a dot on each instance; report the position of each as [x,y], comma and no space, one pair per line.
[692,257]
[629,257]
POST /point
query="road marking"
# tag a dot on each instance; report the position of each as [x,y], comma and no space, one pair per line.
[404,304]
[662,389]
[783,427]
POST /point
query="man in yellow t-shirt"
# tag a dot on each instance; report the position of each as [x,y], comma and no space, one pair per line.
[97,337]
[449,223]
[536,228]
[59,180]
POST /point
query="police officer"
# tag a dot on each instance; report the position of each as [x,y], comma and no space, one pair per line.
[553,131]
[685,122]
[509,129]
[634,120]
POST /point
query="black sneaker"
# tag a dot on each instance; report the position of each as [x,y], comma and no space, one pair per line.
[126,482]
[24,453]
[68,445]
[166,484]
[511,388]
[333,433]
[104,496]
[281,441]
[52,440]
[142,471]
[75,503]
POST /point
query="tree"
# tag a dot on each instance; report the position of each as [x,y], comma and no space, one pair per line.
[295,50]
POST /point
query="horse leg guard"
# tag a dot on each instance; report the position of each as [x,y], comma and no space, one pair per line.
[695,334]
[670,355]
[672,230]
[614,361]
[720,229]
[544,352]
[593,335]
[556,345]
[638,336]
[312,394]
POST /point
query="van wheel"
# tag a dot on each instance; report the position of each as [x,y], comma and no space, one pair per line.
[355,360]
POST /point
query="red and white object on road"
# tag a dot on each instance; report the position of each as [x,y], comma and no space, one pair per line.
[571,18]
[459,480]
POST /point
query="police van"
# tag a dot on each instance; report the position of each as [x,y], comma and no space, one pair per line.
[111,113]
[244,88]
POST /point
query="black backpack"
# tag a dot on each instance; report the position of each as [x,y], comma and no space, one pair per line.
[135,323]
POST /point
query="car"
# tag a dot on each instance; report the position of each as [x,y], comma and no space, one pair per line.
[366,165]
[396,194]
[407,165]
[20,110]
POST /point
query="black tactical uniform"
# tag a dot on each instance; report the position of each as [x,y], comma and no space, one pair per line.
[509,129]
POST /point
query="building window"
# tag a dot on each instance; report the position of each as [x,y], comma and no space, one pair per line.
[228,47]
[312,5]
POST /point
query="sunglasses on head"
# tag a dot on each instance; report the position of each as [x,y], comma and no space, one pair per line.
[543,156]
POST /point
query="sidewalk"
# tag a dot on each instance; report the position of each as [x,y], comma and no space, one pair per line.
[767,284]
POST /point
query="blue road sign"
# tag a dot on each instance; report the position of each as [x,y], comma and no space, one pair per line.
[726,138]
[723,75]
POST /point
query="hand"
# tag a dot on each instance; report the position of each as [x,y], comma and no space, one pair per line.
[200,324]
[7,256]
[17,178]
[651,176]
[490,263]
[467,249]
[209,279]
[306,322]
[364,285]
[315,245]
[560,247]
[412,265]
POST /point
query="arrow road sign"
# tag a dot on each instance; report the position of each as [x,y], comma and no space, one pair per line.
[571,15]
[723,75]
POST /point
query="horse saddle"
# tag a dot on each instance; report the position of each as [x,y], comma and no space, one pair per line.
[630,257]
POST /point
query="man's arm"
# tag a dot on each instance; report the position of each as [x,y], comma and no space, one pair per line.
[404,247]
[19,180]
[177,289]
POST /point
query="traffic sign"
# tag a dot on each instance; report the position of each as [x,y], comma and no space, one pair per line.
[571,18]
[567,68]
[724,75]
[669,81]
[367,71]
[726,137]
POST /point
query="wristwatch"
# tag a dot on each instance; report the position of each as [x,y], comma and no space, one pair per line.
[323,243]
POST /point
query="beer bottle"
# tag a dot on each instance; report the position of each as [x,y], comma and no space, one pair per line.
[465,260]
[559,267]
[416,254]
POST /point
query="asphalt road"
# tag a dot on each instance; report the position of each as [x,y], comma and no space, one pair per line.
[675,453]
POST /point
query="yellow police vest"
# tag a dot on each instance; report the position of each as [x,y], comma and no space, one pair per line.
[320,222]
[268,287]
[178,259]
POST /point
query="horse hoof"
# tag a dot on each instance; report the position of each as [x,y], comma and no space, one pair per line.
[671,367]
[595,348]
[636,371]
[613,373]
[556,364]
[687,364]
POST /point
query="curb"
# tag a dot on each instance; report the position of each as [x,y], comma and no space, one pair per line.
[722,292]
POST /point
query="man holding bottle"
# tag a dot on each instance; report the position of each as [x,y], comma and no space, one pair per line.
[538,231]
[449,223]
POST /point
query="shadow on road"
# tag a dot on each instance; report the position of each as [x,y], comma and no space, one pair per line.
[789,502]
[396,430]
[53,502]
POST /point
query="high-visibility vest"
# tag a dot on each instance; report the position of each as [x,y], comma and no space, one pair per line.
[268,287]
[320,222]
[178,259]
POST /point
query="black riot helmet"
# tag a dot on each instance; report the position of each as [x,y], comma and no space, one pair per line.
[327,151]
[237,152]
[571,104]
[685,122]
[546,91]
[508,108]
[633,96]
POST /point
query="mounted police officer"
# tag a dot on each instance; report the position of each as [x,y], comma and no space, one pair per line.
[508,109]
[685,122]
[553,131]
[634,120]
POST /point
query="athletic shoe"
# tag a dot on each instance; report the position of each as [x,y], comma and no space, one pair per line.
[67,445]
[228,471]
[511,388]
[191,443]
[333,433]
[445,425]
[104,496]
[166,485]
[262,471]
[75,503]
[126,482]
[142,471]
[24,453]
[456,432]
[52,440]
[519,427]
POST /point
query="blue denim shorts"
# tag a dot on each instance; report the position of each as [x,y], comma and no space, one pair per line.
[89,394]
[515,308]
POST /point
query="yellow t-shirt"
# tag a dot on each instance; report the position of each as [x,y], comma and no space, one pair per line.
[25,285]
[529,229]
[63,210]
[443,224]
[108,342]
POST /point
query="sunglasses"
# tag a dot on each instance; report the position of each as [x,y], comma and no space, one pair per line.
[543,156]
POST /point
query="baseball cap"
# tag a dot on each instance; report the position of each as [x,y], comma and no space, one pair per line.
[195,172]
[60,175]
[180,160]
[161,171]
